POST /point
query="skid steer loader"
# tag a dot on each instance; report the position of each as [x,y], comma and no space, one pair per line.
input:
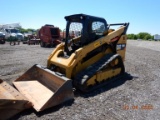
[88,61]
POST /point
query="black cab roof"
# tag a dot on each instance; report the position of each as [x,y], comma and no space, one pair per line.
[79,17]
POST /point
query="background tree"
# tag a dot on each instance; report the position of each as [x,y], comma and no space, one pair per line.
[142,35]
[22,30]
[135,37]
[147,37]
[130,36]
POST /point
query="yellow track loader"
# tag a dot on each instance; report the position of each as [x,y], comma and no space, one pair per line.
[89,60]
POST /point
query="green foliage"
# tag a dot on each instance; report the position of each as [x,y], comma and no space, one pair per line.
[22,30]
[135,37]
[147,37]
[130,36]
[141,35]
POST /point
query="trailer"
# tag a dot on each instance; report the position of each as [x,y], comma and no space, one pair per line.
[33,40]
[156,37]
[49,35]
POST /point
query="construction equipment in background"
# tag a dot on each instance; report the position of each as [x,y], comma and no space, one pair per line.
[12,30]
[13,41]
[12,33]
[86,62]
[33,40]
[49,35]
[2,38]
[157,37]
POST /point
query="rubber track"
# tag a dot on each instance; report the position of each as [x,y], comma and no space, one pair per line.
[81,79]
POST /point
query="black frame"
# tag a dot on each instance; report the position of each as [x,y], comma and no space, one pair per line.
[86,21]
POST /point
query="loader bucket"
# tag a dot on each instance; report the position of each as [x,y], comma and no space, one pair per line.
[44,88]
[11,101]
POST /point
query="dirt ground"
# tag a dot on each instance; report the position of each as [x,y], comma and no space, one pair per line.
[135,97]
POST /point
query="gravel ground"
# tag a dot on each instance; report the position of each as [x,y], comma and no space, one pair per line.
[135,97]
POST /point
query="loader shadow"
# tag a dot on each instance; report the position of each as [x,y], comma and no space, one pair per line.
[110,85]
[31,113]
[55,108]
[21,114]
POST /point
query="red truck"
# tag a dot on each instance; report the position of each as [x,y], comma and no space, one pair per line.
[49,35]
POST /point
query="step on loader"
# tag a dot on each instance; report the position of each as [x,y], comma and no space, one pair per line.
[88,61]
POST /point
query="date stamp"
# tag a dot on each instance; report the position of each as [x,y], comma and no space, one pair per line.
[138,107]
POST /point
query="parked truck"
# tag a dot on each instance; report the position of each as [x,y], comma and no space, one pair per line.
[2,38]
[12,31]
[49,35]
[157,37]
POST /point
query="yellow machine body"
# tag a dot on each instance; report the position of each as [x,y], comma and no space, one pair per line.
[74,64]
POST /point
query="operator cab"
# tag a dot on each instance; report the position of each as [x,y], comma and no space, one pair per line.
[85,28]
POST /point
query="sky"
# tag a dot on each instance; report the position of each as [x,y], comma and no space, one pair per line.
[143,15]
